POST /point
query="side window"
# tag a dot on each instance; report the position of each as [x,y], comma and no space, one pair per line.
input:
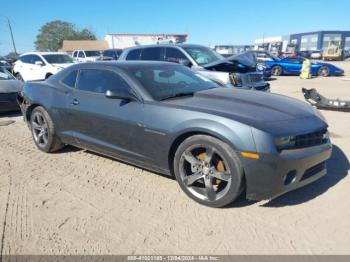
[99,81]
[70,79]
[75,53]
[174,55]
[81,54]
[152,54]
[36,58]
[134,54]
[108,53]
[25,59]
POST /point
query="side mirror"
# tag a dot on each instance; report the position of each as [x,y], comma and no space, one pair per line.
[120,94]
[39,63]
[185,62]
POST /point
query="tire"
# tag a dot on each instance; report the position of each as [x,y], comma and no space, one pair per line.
[19,77]
[323,71]
[276,71]
[43,131]
[218,182]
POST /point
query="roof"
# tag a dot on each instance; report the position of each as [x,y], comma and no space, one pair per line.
[86,45]
[166,35]
[43,53]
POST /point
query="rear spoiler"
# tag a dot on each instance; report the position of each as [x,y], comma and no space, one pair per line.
[315,99]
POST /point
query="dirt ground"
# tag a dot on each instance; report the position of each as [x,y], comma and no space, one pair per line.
[76,202]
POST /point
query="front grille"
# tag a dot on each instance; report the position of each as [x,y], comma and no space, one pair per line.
[255,77]
[313,170]
[311,139]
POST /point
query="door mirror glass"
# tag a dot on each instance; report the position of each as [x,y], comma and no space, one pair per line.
[120,94]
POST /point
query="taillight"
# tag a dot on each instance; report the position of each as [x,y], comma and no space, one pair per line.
[233,80]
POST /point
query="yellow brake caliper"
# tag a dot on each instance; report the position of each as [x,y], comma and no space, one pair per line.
[219,167]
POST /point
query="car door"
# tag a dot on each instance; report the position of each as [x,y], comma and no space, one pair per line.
[38,70]
[292,65]
[111,126]
[81,56]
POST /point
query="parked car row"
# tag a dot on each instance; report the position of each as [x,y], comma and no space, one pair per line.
[292,65]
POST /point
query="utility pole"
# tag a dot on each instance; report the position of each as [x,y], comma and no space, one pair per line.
[10,28]
[13,41]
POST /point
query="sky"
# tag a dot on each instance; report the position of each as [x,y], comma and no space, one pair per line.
[207,22]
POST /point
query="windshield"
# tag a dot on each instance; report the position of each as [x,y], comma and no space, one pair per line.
[5,75]
[168,81]
[203,55]
[274,57]
[92,53]
[58,59]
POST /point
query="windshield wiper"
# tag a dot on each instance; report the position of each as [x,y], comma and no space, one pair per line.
[178,95]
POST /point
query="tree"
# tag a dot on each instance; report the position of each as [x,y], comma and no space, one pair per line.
[12,55]
[52,34]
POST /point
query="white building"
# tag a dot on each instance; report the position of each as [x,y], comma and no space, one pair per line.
[279,43]
[121,41]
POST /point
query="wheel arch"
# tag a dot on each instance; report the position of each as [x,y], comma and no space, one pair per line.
[188,133]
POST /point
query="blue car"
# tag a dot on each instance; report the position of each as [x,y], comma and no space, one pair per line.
[292,66]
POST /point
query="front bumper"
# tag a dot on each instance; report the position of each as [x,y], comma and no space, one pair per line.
[274,175]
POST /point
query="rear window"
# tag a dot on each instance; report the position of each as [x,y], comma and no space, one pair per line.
[70,79]
[134,54]
[152,54]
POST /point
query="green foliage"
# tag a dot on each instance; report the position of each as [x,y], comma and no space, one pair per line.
[52,34]
[12,55]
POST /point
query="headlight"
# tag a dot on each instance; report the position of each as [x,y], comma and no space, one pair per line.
[285,142]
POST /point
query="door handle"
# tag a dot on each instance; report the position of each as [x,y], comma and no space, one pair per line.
[75,102]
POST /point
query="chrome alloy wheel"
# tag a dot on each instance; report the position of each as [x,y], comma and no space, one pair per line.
[39,129]
[204,172]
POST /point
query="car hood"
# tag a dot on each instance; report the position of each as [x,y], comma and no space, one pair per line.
[10,86]
[258,109]
[247,58]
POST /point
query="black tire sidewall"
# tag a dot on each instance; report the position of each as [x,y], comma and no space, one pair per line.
[233,162]
[50,128]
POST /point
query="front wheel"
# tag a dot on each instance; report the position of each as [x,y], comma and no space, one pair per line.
[323,71]
[43,131]
[208,171]
[276,70]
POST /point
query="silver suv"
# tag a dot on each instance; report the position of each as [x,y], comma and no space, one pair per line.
[236,71]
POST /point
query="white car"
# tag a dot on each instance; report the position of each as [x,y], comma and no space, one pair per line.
[86,56]
[40,65]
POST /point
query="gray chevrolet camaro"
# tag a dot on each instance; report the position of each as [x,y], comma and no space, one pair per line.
[166,118]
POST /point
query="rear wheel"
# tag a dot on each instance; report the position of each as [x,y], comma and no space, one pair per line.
[43,131]
[208,171]
[19,77]
[276,70]
[323,71]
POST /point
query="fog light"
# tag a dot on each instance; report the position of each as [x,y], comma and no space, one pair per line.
[290,177]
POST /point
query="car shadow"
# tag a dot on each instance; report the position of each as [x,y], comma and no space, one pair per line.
[338,166]
[10,114]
